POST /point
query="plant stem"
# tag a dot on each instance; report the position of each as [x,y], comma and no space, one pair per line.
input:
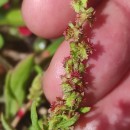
[22,111]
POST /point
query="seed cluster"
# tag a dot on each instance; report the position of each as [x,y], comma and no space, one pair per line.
[66,111]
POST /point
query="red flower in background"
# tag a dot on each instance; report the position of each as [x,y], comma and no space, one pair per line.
[24,31]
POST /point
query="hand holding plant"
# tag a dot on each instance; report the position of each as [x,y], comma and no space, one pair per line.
[109,78]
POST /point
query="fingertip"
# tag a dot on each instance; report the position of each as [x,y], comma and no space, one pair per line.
[52,77]
[51,87]
[47,18]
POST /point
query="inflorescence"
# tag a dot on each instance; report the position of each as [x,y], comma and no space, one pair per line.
[65,112]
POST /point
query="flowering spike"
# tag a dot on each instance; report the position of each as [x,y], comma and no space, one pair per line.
[66,112]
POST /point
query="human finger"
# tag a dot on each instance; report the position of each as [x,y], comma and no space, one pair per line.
[111,113]
[48,18]
[108,65]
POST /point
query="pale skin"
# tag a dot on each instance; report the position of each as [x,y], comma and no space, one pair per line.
[109,75]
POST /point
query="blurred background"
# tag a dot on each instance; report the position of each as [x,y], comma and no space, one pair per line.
[23,56]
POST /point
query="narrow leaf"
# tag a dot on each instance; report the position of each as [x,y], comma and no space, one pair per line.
[54,45]
[10,101]
[67,123]
[20,77]
[34,117]
[5,124]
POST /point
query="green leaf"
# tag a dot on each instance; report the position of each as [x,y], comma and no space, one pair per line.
[34,117]
[38,69]
[20,77]
[2,2]
[5,124]
[12,17]
[1,41]
[15,86]
[36,88]
[10,101]
[64,124]
[41,125]
[54,45]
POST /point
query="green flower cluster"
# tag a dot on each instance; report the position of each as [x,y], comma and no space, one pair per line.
[66,111]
